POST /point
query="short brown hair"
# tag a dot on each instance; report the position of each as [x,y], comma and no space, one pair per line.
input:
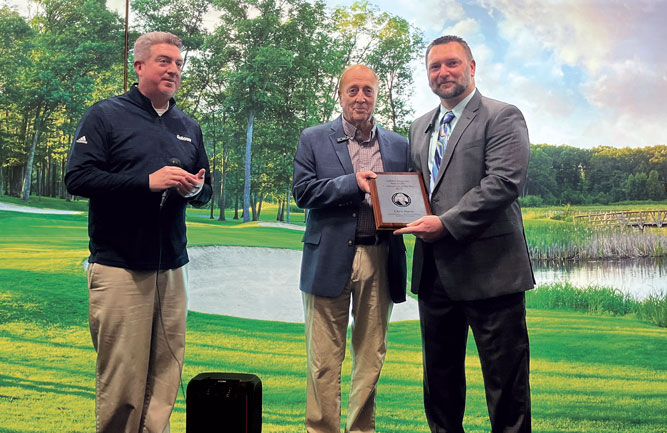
[446,40]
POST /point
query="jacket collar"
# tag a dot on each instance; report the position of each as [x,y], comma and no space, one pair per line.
[338,139]
[142,101]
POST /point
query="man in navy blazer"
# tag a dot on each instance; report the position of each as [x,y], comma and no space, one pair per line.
[471,265]
[345,260]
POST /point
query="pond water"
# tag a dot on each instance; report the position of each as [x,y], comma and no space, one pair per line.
[639,277]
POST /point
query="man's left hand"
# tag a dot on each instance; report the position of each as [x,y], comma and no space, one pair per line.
[193,185]
[428,228]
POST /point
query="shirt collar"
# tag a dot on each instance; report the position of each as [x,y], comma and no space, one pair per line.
[351,130]
[458,108]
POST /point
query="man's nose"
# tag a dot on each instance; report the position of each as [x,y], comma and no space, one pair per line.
[173,68]
[443,72]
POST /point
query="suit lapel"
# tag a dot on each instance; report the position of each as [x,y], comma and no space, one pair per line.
[340,147]
[423,142]
[386,152]
[462,124]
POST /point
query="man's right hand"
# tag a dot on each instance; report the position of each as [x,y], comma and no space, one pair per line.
[428,228]
[170,176]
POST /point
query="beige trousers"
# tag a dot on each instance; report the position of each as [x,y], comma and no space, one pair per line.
[326,331]
[140,342]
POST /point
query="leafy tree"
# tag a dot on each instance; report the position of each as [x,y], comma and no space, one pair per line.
[541,177]
[570,165]
[184,18]
[249,30]
[635,186]
[399,45]
[387,44]
[606,175]
[75,41]
[655,189]
[15,49]
[274,58]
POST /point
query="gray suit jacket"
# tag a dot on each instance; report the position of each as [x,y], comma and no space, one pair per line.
[480,178]
[325,184]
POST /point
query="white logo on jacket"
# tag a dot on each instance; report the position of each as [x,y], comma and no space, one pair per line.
[82,140]
[180,137]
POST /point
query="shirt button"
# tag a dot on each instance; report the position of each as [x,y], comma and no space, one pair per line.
[350,243]
[354,214]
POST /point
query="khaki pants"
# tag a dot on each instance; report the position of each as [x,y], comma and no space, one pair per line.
[140,343]
[326,331]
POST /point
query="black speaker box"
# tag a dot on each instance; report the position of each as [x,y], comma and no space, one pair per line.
[224,402]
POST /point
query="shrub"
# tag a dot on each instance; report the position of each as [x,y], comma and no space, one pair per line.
[531,201]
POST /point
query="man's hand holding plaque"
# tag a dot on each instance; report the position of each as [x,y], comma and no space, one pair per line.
[428,228]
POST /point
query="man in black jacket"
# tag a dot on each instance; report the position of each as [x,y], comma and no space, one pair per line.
[139,160]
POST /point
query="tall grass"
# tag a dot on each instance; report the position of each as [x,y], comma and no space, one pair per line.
[554,240]
[598,300]
[591,299]
[653,309]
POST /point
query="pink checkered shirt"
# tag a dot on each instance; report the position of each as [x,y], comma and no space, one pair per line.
[365,155]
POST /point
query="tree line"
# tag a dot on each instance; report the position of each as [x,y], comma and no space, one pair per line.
[254,80]
[601,175]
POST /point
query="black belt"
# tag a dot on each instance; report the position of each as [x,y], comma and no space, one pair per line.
[369,240]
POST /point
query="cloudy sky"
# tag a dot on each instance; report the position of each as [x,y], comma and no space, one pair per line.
[584,72]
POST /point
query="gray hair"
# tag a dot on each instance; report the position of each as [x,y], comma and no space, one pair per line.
[142,46]
[446,40]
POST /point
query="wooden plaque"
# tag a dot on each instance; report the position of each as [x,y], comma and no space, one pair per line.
[398,198]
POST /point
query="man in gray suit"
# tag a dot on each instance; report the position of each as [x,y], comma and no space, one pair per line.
[344,258]
[471,265]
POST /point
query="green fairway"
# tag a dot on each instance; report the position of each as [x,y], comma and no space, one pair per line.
[589,373]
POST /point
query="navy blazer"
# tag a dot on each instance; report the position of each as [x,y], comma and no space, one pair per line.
[326,185]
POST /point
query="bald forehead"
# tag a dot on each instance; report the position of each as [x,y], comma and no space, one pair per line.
[358,72]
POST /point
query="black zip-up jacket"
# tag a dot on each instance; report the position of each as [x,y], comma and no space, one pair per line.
[119,142]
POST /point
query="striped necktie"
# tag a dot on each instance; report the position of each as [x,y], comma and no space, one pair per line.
[440,146]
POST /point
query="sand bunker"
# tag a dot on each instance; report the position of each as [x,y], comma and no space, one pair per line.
[255,283]
[27,209]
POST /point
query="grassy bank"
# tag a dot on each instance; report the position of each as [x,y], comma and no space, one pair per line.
[598,300]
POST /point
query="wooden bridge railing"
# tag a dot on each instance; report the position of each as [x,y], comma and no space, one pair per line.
[640,219]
